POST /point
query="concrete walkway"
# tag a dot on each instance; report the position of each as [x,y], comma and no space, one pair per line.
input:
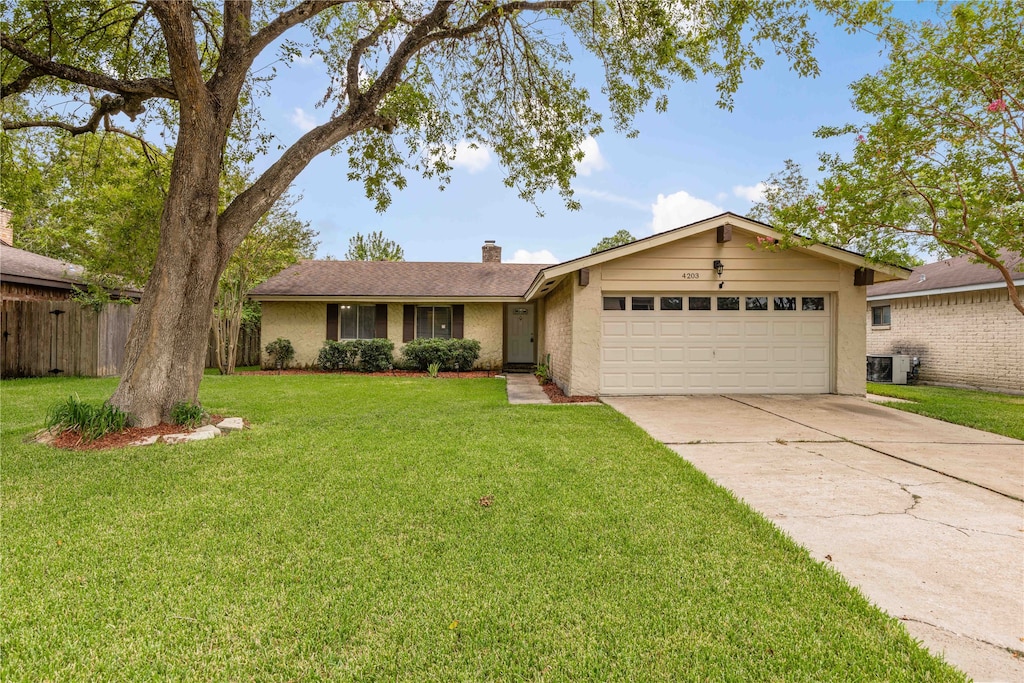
[925,517]
[523,388]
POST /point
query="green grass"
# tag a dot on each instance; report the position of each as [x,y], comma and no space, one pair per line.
[341,538]
[991,412]
[238,368]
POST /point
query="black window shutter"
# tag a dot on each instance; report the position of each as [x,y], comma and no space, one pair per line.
[458,321]
[408,323]
[381,321]
[332,322]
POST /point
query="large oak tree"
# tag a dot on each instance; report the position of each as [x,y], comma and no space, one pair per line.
[409,80]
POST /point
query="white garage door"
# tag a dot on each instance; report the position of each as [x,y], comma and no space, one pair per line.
[711,343]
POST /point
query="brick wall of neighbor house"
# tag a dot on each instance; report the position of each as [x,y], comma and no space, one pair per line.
[969,339]
[557,340]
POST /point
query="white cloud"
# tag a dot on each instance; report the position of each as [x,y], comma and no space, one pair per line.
[721,196]
[303,121]
[592,161]
[680,208]
[524,256]
[471,156]
[612,198]
[307,60]
[753,193]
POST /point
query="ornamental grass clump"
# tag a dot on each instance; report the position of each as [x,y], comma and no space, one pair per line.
[189,415]
[89,420]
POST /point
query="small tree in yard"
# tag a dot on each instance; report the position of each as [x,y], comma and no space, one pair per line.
[938,164]
[373,247]
[275,242]
[409,80]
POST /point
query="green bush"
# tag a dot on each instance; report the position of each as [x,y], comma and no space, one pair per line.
[336,356]
[281,351]
[376,355]
[366,355]
[188,414]
[91,421]
[448,353]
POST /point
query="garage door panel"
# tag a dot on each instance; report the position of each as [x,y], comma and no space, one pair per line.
[785,353]
[645,328]
[643,354]
[698,329]
[730,329]
[700,354]
[675,328]
[694,352]
[614,328]
[672,354]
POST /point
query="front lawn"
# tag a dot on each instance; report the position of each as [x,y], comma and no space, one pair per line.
[343,538]
[991,412]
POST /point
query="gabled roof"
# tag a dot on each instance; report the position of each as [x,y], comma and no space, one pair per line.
[541,286]
[18,265]
[953,274]
[409,279]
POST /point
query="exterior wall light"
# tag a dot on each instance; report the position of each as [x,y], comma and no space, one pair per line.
[719,266]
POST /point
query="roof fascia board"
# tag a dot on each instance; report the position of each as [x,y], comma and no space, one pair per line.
[389,299]
[534,290]
[39,282]
[944,290]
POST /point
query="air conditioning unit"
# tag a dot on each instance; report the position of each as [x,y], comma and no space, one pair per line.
[890,368]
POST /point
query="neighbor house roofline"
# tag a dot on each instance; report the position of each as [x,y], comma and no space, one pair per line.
[945,290]
[724,219]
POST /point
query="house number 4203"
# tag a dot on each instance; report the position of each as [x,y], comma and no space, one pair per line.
[691,276]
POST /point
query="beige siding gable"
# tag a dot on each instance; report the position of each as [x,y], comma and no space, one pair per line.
[687,265]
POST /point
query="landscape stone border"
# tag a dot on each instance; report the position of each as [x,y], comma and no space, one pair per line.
[229,424]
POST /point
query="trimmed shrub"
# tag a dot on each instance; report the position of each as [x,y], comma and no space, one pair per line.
[337,355]
[365,355]
[447,353]
[376,355]
[281,351]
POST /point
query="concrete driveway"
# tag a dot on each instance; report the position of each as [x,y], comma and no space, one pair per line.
[925,517]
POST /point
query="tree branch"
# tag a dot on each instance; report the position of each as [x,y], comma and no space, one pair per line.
[22,81]
[136,90]
[108,104]
[180,38]
[284,21]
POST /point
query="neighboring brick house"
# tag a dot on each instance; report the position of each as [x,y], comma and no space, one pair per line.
[693,310]
[957,317]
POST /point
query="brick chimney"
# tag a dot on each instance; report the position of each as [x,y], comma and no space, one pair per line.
[7,230]
[492,252]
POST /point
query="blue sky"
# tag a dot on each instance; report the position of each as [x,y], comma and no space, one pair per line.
[691,162]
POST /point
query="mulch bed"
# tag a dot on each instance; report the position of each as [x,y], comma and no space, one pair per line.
[475,374]
[557,396]
[72,441]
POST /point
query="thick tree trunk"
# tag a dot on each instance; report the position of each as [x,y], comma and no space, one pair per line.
[166,350]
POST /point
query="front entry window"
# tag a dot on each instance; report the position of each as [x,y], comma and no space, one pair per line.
[434,322]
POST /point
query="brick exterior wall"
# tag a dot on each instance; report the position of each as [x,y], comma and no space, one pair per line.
[971,339]
[558,332]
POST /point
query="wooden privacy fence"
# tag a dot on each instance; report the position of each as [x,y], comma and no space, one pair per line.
[62,337]
[248,352]
[40,338]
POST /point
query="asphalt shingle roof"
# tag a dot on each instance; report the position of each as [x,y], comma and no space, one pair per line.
[24,264]
[953,272]
[400,278]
